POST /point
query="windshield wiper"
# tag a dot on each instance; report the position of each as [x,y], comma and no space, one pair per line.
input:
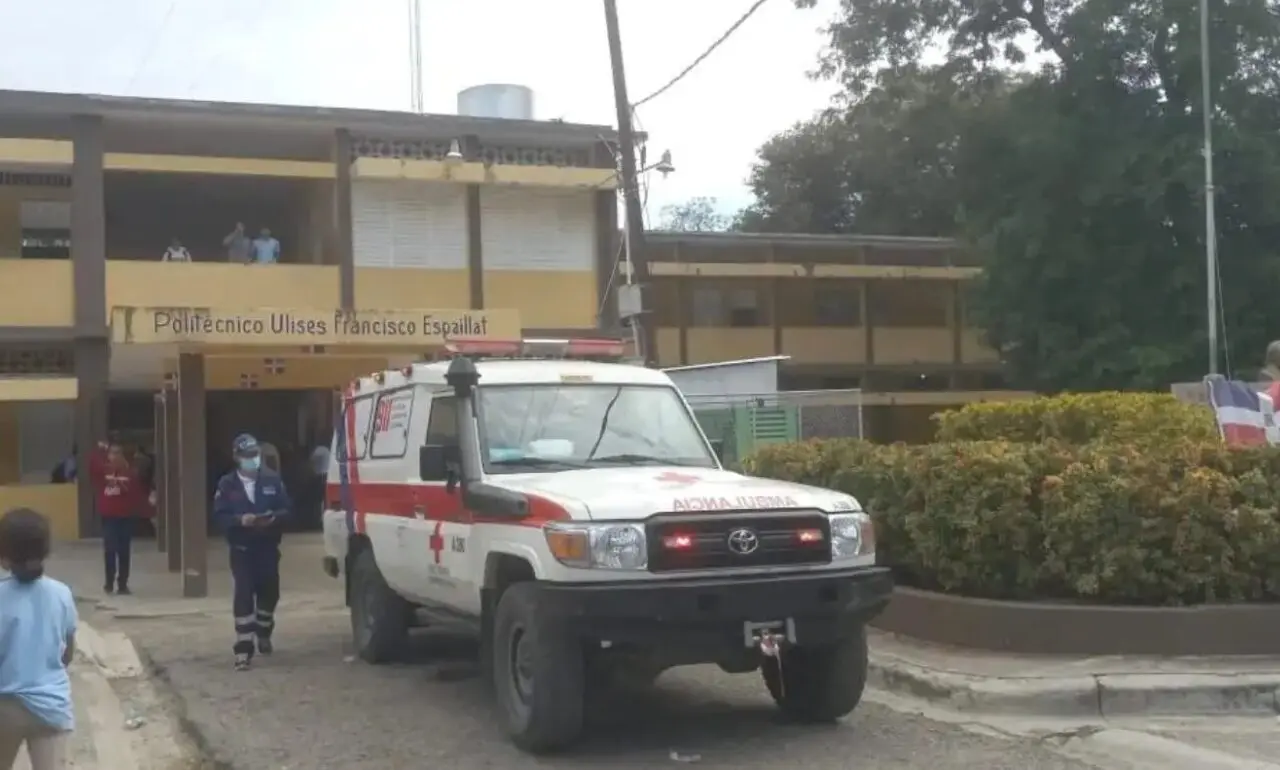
[535,462]
[639,459]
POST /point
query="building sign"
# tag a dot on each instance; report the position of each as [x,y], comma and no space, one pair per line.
[308,327]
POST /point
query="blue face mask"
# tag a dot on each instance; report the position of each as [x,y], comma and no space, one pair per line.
[250,464]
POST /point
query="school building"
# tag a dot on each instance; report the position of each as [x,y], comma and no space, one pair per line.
[396,230]
[884,315]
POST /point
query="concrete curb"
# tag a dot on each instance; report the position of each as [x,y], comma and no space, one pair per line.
[1102,695]
[1143,750]
[112,652]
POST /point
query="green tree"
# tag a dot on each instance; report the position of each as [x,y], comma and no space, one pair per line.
[1062,141]
[694,215]
[883,164]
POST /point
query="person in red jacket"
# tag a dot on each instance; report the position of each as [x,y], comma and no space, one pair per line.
[118,494]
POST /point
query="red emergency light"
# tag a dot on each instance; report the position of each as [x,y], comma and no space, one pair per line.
[582,348]
[678,542]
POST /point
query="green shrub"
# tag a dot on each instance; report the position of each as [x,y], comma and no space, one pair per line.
[1140,418]
[1185,522]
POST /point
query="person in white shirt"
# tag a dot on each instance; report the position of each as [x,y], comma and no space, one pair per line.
[176,252]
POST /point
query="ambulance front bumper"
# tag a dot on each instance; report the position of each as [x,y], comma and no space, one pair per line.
[821,607]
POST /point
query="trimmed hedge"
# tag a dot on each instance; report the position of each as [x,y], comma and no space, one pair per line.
[1178,522]
[1140,418]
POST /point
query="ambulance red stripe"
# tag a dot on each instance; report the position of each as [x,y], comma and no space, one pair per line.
[401,499]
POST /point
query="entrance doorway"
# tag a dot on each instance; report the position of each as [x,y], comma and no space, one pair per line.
[294,422]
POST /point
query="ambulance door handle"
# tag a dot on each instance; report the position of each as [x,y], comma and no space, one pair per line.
[420,511]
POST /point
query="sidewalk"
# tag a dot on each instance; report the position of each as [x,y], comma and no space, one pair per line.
[121,721]
[1112,686]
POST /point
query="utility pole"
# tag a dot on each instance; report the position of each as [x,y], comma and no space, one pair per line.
[634,226]
[1210,215]
[415,56]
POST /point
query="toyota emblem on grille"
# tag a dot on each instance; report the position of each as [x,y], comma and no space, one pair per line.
[742,542]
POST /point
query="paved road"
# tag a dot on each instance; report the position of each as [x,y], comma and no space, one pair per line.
[312,706]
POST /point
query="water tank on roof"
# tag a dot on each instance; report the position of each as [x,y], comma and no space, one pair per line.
[497,100]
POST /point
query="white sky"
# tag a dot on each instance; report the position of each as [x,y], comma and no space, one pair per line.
[354,53]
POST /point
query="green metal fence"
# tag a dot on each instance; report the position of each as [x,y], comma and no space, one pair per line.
[742,424]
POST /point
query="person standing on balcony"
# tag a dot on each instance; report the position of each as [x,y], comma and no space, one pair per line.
[176,252]
[266,250]
[119,496]
[239,247]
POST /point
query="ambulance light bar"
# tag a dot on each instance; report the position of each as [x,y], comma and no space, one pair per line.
[592,349]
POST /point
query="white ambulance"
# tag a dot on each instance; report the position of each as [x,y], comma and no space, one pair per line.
[571,511]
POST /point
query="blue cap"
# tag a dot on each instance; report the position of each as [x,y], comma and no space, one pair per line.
[245,444]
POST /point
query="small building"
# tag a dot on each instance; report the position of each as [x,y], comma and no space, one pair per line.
[881,315]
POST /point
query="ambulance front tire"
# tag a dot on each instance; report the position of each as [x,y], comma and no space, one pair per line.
[821,683]
[539,674]
[379,616]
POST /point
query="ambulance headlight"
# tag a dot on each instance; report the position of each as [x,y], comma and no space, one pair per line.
[852,536]
[598,546]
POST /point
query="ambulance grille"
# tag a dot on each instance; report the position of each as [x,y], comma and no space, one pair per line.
[679,542]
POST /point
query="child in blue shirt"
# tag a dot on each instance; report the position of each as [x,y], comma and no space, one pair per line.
[37,640]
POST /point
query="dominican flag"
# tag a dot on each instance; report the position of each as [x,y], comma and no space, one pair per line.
[1245,416]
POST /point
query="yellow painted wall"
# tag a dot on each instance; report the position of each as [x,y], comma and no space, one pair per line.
[708,345]
[214,285]
[36,292]
[545,298]
[388,288]
[300,372]
[191,164]
[825,345]
[911,346]
[36,152]
[667,340]
[56,501]
[17,389]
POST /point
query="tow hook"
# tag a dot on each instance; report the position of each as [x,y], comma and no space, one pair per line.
[770,643]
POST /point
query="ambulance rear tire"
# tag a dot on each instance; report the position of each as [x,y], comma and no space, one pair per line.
[379,616]
[539,674]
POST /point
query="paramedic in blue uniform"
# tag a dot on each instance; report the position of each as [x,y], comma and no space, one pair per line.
[250,505]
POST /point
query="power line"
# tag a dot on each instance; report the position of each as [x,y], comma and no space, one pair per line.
[741,20]
[155,44]
[221,52]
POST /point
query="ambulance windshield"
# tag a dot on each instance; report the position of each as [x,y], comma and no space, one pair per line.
[526,428]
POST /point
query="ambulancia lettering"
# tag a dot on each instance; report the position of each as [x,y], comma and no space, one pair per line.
[740,502]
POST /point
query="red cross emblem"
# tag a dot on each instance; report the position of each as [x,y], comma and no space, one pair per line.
[674,477]
[436,543]
[382,421]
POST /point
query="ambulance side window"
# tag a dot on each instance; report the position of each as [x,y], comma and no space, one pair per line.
[442,423]
[391,418]
[352,431]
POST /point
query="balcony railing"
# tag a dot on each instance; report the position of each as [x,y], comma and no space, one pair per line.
[825,345]
[913,346]
[711,344]
[132,283]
